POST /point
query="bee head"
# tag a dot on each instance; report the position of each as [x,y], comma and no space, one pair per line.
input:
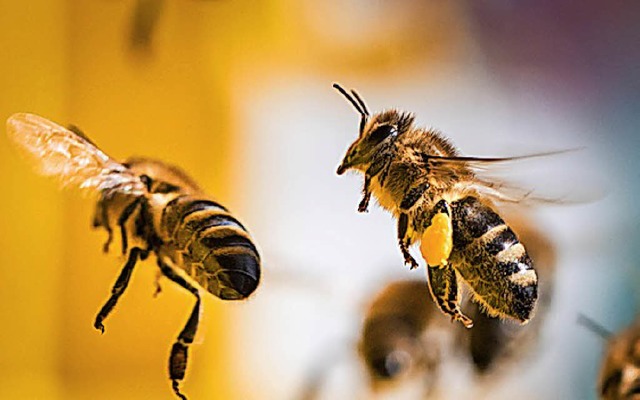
[375,132]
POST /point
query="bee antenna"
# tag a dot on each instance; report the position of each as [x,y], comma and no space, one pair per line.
[364,106]
[364,113]
[593,326]
[351,100]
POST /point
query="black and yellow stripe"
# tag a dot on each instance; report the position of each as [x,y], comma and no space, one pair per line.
[491,259]
[218,251]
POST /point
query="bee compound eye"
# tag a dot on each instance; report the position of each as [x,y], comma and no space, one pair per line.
[381,133]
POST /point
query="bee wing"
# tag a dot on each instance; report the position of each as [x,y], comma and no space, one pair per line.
[70,156]
[547,178]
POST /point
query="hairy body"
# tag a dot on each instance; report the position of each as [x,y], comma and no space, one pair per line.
[419,177]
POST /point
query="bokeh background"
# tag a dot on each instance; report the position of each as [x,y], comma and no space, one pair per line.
[239,94]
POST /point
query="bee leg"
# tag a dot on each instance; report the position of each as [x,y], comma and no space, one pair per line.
[107,226]
[101,219]
[403,241]
[443,285]
[179,350]
[119,287]
[374,170]
[384,172]
[122,220]
[157,283]
[366,196]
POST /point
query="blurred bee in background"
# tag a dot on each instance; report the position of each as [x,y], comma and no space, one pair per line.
[619,376]
[402,337]
[143,23]
[441,200]
[396,342]
[156,208]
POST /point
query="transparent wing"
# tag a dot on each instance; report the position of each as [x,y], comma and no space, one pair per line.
[556,177]
[70,157]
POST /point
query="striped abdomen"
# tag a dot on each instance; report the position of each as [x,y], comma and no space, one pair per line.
[217,250]
[489,257]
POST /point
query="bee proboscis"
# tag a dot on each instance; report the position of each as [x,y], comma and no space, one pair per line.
[157,209]
[439,200]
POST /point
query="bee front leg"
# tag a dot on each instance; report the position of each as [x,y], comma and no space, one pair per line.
[180,349]
[376,167]
[379,168]
[443,285]
[404,242]
[366,195]
[121,284]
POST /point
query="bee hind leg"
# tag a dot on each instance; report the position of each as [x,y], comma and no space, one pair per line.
[180,348]
[121,284]
[404,241]
[443,285]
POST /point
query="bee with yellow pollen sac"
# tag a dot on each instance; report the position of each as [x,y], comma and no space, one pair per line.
[442,200]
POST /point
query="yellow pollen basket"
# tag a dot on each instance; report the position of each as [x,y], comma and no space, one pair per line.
[437,241]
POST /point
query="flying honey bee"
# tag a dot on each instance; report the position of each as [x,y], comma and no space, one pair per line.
[440,201]
[157,209]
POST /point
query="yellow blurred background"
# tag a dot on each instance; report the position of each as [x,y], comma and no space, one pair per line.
[238,93]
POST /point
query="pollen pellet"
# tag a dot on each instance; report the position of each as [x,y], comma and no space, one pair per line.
[437,241]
